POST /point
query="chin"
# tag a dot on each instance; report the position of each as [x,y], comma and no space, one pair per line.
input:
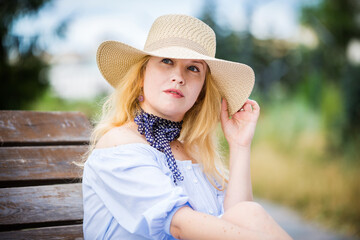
[174,113]
[174,116]
[171,111]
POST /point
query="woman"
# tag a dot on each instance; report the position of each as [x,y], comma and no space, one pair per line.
[153,169]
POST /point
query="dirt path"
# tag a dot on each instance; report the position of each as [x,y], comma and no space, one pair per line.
[297,227]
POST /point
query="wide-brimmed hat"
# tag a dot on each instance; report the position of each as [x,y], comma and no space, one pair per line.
[180,37]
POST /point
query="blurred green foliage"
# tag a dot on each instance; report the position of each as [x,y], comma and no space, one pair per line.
[48,101]
[22,67]
[321,75]
[336,23]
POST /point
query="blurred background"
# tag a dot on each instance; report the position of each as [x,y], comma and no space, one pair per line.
[306,58]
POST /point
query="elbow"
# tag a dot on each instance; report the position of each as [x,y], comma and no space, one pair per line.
[230,201]
[176,222]
[175,232]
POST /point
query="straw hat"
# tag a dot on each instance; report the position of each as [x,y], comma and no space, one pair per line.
[180,37]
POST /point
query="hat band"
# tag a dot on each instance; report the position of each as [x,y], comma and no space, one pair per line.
[177,42]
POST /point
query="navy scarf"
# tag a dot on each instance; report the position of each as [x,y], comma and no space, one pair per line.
[159,132]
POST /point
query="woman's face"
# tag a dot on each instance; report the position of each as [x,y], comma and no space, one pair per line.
[171,86]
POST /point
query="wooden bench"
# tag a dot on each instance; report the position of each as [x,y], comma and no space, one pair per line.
[40,189]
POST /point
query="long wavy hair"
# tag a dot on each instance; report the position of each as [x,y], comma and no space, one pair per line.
[198,132]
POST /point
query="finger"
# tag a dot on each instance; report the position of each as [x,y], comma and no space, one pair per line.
[255,106]
[224,110]
[247,107]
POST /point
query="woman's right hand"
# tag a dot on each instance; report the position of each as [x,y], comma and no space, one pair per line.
[240,128]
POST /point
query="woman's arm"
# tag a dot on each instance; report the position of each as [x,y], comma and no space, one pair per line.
[245,220]
[189,224]
[239,187]
[239,131]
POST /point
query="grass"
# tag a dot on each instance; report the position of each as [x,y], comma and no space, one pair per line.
[320,191]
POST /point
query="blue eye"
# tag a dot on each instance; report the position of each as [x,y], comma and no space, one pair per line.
[167,61]
[194,69]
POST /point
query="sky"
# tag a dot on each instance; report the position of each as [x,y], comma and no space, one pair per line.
[91,22]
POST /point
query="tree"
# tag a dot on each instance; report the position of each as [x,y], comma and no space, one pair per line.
[336,24]
[22,69]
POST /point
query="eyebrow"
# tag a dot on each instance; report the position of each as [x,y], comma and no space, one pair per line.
[201,62]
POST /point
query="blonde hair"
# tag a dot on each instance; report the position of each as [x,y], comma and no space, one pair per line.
[199,123]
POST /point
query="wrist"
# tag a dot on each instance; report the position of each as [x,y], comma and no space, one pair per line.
[239,148]
[239,154]
[239,143]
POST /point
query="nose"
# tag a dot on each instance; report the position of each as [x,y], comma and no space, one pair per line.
[179,81]
[177,76]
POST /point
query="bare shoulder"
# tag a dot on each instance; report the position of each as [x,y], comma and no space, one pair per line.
[125,134]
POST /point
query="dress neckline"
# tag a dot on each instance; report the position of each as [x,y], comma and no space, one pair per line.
[187,161]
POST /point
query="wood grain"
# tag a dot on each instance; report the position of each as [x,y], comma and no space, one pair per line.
[60,233]
[29,127]
[40,163]
[62,202]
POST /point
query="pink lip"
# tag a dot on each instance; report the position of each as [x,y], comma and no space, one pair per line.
[175,92]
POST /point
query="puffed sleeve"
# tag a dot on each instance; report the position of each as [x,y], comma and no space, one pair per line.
[137,189]
[220,195]
[220,198]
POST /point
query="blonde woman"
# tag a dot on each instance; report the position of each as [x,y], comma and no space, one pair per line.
[153,169]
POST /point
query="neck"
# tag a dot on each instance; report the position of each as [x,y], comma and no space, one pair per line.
[159,132]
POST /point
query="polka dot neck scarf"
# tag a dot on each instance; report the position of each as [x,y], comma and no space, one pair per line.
[159,132]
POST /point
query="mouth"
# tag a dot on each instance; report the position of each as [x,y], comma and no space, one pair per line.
[175,93]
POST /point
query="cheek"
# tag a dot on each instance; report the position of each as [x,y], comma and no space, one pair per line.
[196,90]
[149,90]
[150,83]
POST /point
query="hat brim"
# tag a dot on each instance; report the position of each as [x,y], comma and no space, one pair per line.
[234,80]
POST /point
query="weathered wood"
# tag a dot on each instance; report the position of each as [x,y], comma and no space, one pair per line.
[63,232]
[28,127]
[40,148]
[40,163]
[62,202]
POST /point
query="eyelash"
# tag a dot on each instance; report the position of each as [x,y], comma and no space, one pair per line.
[197,69]
[166,61]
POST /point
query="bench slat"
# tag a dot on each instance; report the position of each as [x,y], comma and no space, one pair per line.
[62,232]
[40,163]
[62,202]
[29,127]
